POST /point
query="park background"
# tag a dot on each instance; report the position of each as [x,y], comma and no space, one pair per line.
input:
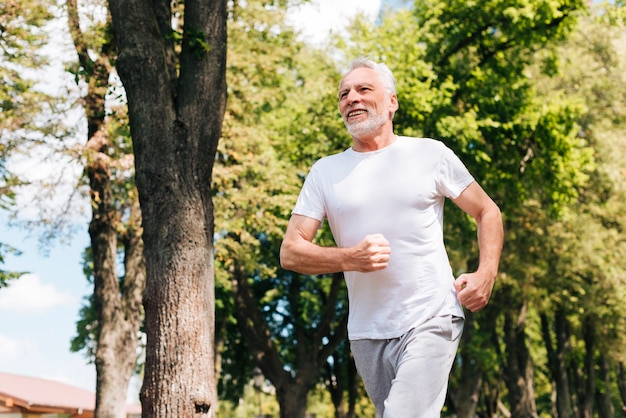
[563,181]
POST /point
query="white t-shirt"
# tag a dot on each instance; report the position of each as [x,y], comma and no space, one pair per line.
[397,191]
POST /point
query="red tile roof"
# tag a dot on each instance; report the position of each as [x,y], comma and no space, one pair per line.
[34,393]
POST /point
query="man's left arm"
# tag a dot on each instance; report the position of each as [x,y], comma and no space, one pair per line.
[474,289]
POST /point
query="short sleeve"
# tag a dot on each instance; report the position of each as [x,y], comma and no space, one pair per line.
[310,202]
[453,177]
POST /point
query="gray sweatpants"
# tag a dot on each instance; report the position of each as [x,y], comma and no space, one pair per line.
[407,377]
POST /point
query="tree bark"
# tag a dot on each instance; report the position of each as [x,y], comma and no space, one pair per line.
[176,98]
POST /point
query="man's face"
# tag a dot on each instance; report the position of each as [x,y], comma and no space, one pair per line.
[364,104]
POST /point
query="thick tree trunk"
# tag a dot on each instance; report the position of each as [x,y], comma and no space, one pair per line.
[518,370]
[176,101]
[292,400]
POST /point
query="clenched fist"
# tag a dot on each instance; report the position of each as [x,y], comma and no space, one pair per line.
[371,253]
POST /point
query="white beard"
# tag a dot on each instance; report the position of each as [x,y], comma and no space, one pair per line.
[369,125]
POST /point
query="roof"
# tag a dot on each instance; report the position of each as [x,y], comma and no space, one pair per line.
[37,394]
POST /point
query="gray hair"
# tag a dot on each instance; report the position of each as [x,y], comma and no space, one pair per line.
[385,74]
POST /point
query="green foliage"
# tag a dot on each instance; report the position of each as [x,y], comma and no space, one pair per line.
[6,276]
[21,41]
[281,117]
[252,403]
[23,31]
[259,167]
[85,339]
[586,246]
[22,36]
[8,183]
[197,42]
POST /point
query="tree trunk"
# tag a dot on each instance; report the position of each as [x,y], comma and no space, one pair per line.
[518,369]
[111,356]
[336,383]
[117,303]
[120,317]
[492,404]
[557,361]
[353,394]
[604,402]
[621,385]
[342,378]
[176,97]
[563,392]
[291,390]
[588,385]
[466,393]
[311,353]
[292,400]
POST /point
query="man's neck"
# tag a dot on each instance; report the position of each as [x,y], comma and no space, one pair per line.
[373,142]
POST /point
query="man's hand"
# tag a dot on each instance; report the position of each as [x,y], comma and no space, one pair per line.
[370,254]
[474,290]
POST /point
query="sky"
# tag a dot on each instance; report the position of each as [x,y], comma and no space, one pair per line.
[39,311]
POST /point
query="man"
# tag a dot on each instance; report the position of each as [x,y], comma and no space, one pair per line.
[384,199]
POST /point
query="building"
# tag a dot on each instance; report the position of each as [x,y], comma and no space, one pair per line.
[31,397]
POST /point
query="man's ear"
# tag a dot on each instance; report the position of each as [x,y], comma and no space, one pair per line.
[393,105]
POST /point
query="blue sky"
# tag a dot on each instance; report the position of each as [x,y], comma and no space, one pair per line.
[39,311]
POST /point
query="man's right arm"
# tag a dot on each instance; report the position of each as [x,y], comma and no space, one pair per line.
[298,252]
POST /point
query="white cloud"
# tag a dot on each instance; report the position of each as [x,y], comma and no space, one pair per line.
[29,295]
[318,18]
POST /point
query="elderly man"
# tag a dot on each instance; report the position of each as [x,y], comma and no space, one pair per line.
[384,200]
